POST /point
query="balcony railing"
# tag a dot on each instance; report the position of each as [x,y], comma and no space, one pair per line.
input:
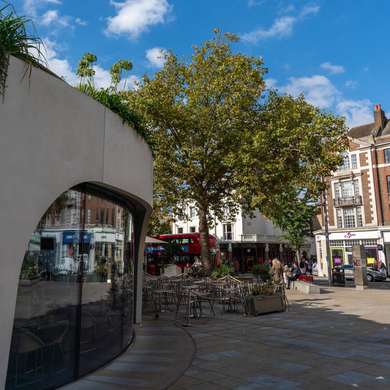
[348,201]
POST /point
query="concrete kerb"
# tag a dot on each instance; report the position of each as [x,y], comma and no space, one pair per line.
[305,288]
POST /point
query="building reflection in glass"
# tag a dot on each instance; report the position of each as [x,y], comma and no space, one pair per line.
[74,308]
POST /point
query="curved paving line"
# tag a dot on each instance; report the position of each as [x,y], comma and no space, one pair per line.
[195,350]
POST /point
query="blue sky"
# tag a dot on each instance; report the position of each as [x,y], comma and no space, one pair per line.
[334,51]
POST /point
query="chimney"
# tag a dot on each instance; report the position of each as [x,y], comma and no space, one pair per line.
[379,117]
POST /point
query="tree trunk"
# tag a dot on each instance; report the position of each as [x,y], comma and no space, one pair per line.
[298,255]
[204,239]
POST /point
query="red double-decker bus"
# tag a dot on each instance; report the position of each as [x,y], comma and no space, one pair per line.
[180,249]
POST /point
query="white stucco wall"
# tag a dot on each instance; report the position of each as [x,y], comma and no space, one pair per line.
[52,138]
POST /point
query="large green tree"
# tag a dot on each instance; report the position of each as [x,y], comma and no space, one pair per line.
[219,143]
[198,115]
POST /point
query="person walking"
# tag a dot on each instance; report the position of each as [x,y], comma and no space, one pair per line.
[287,273]
[276,271]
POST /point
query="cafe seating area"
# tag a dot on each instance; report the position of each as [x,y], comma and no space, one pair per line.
[190,299]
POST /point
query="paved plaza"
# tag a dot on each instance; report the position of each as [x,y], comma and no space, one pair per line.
[336,340]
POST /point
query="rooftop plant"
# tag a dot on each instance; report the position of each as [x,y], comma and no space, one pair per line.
[16,40]
[110,97]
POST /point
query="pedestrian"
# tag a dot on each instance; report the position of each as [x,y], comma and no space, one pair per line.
[382,268]
[295,273]
[287,273]
[276,271]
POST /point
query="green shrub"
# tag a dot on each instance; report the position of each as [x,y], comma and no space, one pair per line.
[261,271]
[221,271]
[15,40]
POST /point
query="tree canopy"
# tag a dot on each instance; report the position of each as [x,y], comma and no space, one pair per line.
[221,143]
[199,115]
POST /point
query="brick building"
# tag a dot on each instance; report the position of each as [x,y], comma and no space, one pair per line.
[359,197]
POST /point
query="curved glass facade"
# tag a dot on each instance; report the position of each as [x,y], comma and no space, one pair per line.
[74,309]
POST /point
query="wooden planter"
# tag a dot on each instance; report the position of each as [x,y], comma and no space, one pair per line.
[263,304]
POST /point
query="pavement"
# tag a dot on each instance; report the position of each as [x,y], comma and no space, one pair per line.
[336,340]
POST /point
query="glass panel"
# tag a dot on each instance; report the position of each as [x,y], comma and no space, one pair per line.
[347,189]
[107,281]
[74,308]
[349,218]
[339,218]
[345,163]
[353,161]
[387,155]
[44,336]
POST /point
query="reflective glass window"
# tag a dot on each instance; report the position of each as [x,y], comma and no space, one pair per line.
[74,309]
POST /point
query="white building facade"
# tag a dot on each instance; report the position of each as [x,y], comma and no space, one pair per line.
[248,240]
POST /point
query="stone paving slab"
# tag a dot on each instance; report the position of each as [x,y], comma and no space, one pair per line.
[337,340]
[158,357]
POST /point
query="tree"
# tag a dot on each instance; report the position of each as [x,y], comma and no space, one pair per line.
[295,218]
[161,219]
[199,115]
[306,144]
[220,144]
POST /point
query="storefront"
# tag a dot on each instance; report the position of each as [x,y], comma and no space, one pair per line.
[341,244]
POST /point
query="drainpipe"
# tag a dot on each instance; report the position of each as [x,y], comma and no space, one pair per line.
[326,228]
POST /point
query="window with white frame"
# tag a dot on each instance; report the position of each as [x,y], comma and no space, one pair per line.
[346,188]
[349,162]
[192,229]
[349,217]
[339,214]
[353,161]
[227,231]
[192,212]
[179,230]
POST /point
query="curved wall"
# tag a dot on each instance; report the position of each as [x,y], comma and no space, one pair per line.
[52,138]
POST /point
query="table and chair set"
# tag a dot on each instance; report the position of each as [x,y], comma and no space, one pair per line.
[192,298]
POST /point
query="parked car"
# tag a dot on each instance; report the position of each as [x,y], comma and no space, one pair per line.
[372,274]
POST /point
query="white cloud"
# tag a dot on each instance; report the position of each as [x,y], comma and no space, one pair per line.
[318,90]
[270,83]
[332,68]
[281,27]
[156,57]
[356,112]
[80,22]
[30,7]
[136,16]
[309,10]
[52,17]
[60,67]
[255,3]
[351,84]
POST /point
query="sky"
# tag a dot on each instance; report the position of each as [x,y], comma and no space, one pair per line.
[333,51]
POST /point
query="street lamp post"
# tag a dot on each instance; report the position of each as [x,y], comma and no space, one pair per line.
[326,227]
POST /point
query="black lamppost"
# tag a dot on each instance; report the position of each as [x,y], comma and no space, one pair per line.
[326,229]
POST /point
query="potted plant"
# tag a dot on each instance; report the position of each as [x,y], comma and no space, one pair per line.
[264,300]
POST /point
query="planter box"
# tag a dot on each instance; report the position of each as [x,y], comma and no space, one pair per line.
[263,304]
